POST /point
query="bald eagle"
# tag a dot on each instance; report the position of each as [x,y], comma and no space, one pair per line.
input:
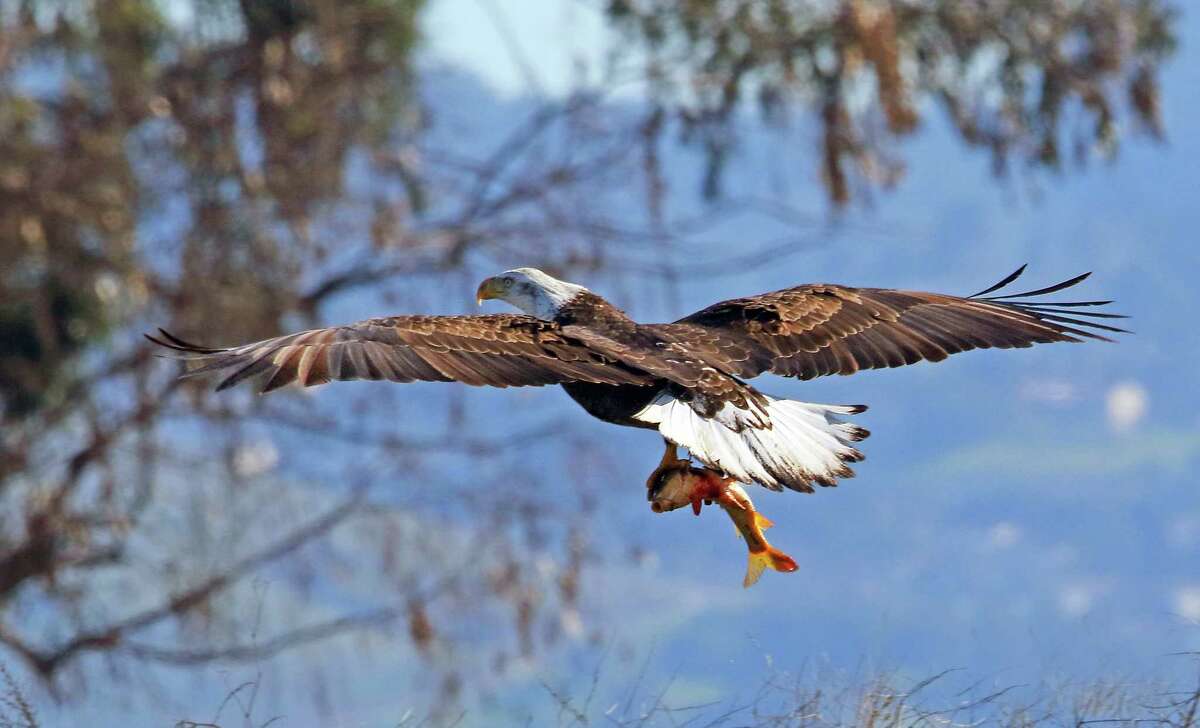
[686,379]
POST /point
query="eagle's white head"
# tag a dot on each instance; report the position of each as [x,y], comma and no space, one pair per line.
[529,289]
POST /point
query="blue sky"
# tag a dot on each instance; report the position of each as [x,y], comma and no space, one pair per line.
[1021,515]
[552,40]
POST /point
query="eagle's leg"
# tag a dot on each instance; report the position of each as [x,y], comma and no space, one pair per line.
[670,461]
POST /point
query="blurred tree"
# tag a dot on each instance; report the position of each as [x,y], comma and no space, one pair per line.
[238,167]
[1018,78]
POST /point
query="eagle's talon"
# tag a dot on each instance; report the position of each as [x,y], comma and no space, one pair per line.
[670,461]
[666,468]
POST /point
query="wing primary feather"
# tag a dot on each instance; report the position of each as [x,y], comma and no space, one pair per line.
[304,366]
[921,345]
[318,367]
[186,345]
[285,371]
[256,365]
[1047,308]
[1007,279]
[1077,322]
[184,349]
[1042,291]
[1070,303]
[162,343]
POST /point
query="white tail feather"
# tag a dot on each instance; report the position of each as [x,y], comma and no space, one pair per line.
[803,443]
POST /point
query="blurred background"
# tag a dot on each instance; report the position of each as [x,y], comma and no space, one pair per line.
[429,554]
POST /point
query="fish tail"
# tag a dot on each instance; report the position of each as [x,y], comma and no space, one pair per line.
[779,560]
[769,557]
[754,569]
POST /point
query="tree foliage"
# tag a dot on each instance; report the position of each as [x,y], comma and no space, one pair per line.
[1025,80]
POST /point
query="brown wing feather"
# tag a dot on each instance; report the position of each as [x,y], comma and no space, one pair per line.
[821,329]
[498,350]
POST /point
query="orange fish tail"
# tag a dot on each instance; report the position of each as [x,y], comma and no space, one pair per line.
[781,561]
[768,558]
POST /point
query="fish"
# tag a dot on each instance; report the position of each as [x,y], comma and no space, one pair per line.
[685,485]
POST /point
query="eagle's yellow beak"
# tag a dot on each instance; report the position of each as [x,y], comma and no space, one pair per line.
[489,289]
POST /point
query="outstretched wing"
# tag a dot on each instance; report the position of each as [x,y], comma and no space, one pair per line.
[820,329]
[498,350]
